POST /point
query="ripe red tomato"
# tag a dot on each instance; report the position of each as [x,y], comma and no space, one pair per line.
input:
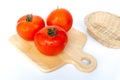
[51,40]
[60,17]
[28,25]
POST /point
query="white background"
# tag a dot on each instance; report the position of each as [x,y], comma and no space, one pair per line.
[14,66]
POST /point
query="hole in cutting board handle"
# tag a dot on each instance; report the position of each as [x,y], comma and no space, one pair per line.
[85,61]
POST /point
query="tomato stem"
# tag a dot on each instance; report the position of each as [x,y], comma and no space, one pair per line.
[52,31]
[29,18]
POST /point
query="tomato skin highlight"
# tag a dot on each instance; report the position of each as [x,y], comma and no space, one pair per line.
[28,25]
[51,45]
[60,17]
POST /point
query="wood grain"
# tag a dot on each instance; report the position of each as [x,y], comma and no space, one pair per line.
[72,53]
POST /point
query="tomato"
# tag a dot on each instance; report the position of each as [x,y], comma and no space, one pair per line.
[60,17]
[51,40]
[28,25]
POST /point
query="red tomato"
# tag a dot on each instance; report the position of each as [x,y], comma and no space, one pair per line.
[51,40]
[60,17]
[28,25]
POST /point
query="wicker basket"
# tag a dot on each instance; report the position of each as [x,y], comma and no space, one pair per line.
[104,27]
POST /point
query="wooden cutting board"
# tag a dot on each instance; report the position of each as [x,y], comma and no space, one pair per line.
[72,54]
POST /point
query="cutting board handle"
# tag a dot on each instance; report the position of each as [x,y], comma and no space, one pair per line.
[83,61]
[87,62]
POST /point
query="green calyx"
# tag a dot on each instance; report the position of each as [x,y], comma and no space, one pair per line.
[52,31]
[29,18]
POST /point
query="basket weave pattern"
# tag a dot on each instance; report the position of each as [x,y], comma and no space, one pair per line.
[104,27]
